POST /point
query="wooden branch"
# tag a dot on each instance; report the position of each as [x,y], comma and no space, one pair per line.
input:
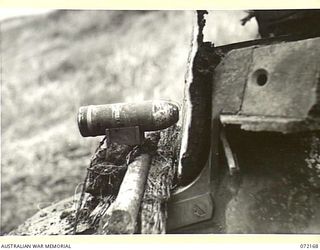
[121,217]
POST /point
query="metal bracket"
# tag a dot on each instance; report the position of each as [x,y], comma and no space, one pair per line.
[191,204]
[125,135]
[230,156]
[194,203]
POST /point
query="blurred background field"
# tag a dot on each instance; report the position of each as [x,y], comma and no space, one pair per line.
[56,62]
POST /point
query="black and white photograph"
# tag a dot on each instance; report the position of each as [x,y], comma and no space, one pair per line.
[160,122]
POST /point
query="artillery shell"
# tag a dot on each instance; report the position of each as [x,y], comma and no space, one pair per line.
[93,120]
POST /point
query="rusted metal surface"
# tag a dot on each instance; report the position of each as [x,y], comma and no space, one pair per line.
[148,115]
[271,87]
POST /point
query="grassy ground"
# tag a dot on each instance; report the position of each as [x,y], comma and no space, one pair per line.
[55,63]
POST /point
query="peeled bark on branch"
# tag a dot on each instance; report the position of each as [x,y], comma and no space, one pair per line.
[124,211]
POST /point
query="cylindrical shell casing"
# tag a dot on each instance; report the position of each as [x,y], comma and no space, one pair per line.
[93,120]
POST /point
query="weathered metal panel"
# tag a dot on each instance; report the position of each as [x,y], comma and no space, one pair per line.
[191,204]
[269,87]
[230,78]
[282,79]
